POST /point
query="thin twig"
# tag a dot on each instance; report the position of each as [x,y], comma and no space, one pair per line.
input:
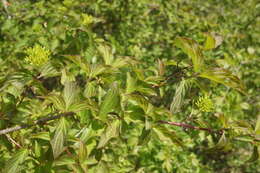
[191,127]
[13,141]
[40,121]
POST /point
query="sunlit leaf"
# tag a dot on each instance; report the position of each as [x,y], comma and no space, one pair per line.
[192,49]
[224,77]
[106,53]
[210,42]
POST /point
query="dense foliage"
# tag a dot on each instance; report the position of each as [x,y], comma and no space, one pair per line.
[129,86]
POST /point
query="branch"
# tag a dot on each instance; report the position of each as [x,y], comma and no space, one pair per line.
[40,121]
[13,141]
[191,127]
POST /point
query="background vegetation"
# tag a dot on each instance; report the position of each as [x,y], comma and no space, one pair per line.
[129,86]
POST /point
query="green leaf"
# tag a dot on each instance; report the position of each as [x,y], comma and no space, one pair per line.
[257,126]
[66,77]
[224,77]
[254,156]
[57,101]
[41,135]
[110,103]
[210,42]
[130,84]
[192,49]
[58,140]
[15,163]
[82,153]
[48,70]
[111,131]
[179,95]
[79,106]
[102,167]
[164,135]
[64,160]
[145,137]
[90,89]
[106,53]
[70,93]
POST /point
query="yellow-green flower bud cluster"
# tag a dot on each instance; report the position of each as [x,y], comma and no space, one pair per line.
[205,104]
[37,55]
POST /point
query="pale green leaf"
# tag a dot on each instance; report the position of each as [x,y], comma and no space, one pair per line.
[42,135]
[180,92]
[79,106]
[130,84]
[70,93]
[111,131]
[57,101]
[106,53]
[48,70]
[164,135]
[66,77]
[15,163]
[57,142]
[90,89]
[224,77]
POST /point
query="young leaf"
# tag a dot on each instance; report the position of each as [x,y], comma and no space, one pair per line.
[58,140]
[111,102]
[192,49]
[14,164]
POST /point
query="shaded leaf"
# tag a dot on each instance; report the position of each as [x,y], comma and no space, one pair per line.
[145,137]
[254,156]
